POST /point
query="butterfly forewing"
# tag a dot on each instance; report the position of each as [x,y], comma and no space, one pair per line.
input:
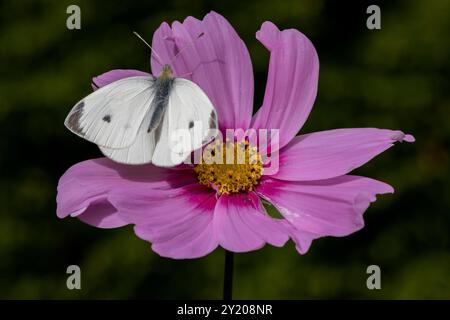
[188,110]
[112,116]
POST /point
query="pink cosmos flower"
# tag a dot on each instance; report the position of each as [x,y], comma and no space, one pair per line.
[184,218]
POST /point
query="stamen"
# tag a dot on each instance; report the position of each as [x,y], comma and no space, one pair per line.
[230,167]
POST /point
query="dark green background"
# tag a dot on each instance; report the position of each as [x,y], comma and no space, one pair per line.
[396,77]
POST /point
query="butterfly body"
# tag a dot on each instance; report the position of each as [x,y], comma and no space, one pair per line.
[163,85]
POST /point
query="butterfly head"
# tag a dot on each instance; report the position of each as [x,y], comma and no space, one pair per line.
[166,71]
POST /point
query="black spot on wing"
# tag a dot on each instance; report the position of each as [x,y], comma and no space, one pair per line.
[79,106]
[107,118]
[74,119]
[191,124]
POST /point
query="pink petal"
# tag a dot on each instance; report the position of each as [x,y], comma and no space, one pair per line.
[188,235]
[241,224]
[101,215]
[114,75]
[332,153]
[291,84]
[178,222]
[332,207]
[84,189]
[155,207]
[301,238]
[164,50]
[218,62]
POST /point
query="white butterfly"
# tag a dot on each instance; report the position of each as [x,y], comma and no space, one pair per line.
[133,119]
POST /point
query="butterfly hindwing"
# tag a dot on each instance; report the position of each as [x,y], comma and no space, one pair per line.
[140,152]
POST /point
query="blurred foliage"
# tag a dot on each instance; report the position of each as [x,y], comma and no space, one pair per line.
[396,77]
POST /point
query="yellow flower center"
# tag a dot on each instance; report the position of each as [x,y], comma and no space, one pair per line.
[230,167]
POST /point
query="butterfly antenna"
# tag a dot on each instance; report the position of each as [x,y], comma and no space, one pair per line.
[146,43]
[186,46]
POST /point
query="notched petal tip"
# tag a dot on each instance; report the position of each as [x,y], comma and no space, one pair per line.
[409,138]
[76,213]
[381,188]
[215,14]
[268,34]
[362,201]
[176,24]
[164,25]
[401,136]
[389,189]
[292,81]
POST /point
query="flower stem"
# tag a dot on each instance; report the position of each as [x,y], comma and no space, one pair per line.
[228,276]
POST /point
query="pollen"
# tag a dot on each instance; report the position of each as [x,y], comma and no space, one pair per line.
[230,167]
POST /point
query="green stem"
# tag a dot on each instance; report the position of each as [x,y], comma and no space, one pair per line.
[228,276]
